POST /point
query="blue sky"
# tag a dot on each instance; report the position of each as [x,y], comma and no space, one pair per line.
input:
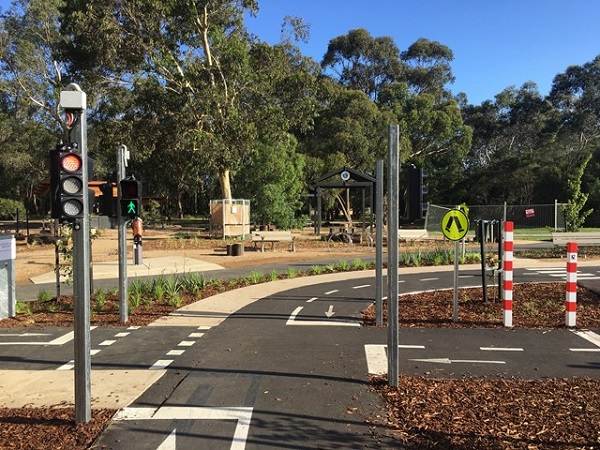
[496,43]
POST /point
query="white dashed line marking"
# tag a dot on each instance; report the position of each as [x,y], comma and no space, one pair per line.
[331,292]
[123,334]
[161,364]
[501,349]
[68,366]
[175,352]
[107,342]
[196,335]
[362,286]
[186,343]
[310,300]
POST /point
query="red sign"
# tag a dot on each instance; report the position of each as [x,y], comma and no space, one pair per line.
[530,212]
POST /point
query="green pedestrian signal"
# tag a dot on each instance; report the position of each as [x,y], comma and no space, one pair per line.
[130,208]
[131,198]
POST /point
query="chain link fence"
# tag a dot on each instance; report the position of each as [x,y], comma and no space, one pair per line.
[533,217]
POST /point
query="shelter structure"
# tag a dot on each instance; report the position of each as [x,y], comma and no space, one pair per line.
[346,178]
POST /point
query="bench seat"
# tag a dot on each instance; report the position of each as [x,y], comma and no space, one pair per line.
[272,237]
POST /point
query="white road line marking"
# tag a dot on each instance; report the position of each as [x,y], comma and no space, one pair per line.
[120,335]
[175,352]
[107,342]
[243,416]
[68,366]
[196,335]
[589,336]
[585,350]
[186,343]
[332,292]
[95,351]
[310,300]
[133,328]
[170,443]
[204,327]
[429,279]
[161,364]
[451,361]
[362,286]
[501,349]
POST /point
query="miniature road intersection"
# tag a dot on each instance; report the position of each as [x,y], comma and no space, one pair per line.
[290,370]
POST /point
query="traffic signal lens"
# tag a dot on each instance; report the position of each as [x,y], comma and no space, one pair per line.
[72,185]
[72,208]
[71,162]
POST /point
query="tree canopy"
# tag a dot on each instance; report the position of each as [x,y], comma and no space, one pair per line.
[210,111]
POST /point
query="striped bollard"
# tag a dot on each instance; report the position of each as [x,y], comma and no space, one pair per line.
[571,297]
[507,273]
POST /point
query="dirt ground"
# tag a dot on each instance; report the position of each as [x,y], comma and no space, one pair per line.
[37,258]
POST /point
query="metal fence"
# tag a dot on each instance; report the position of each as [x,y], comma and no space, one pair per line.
[548,216]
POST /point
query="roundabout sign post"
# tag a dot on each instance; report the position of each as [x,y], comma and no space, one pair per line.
[455,226]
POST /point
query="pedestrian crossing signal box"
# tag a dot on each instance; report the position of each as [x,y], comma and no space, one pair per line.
[131,198]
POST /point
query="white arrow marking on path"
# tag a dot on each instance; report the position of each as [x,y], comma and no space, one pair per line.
[329,312]
[292,321]
[450,361]
[169,443]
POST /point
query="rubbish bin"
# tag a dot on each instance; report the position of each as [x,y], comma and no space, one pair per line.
[237,249]
[8,251]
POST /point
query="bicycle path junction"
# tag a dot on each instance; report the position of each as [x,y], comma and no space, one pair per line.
[283,364]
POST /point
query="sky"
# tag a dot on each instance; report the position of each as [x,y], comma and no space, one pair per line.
[496,43]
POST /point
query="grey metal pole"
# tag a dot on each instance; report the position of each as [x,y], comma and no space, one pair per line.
[81,276]
[392,244]
[379,244]
[455,297]
[122,236]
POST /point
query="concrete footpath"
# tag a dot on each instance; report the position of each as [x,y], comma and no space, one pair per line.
[118,388]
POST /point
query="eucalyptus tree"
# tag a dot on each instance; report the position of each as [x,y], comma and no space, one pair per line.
[362,62]
[576,95]
[32,76]
[196,52]
[203,91]
[428,68]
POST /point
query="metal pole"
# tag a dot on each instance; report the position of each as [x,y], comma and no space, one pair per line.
[482,237]
[379,244]
[392,243]
[456,257]
[81,278]
[123,306]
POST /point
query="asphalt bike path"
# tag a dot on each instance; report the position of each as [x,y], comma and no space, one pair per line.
[287,371]
[290,370]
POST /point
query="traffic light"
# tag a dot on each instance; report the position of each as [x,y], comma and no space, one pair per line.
[108,203]
[66,183]
[131,198]
[417,189]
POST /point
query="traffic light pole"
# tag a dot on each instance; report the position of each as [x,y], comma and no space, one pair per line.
[73,100]
[122,157]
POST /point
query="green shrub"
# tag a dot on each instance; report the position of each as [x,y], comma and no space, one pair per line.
[9,207]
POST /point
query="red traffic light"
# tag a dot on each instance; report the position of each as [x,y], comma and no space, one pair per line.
[71,162]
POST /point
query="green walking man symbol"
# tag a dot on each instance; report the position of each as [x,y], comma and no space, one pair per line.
[131,209]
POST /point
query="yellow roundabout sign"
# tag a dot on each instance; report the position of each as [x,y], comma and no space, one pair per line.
[455,224]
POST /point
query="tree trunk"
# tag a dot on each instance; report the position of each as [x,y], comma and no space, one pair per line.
[225,184]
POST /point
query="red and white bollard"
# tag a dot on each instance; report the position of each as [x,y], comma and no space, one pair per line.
[571,296]
[507,273]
